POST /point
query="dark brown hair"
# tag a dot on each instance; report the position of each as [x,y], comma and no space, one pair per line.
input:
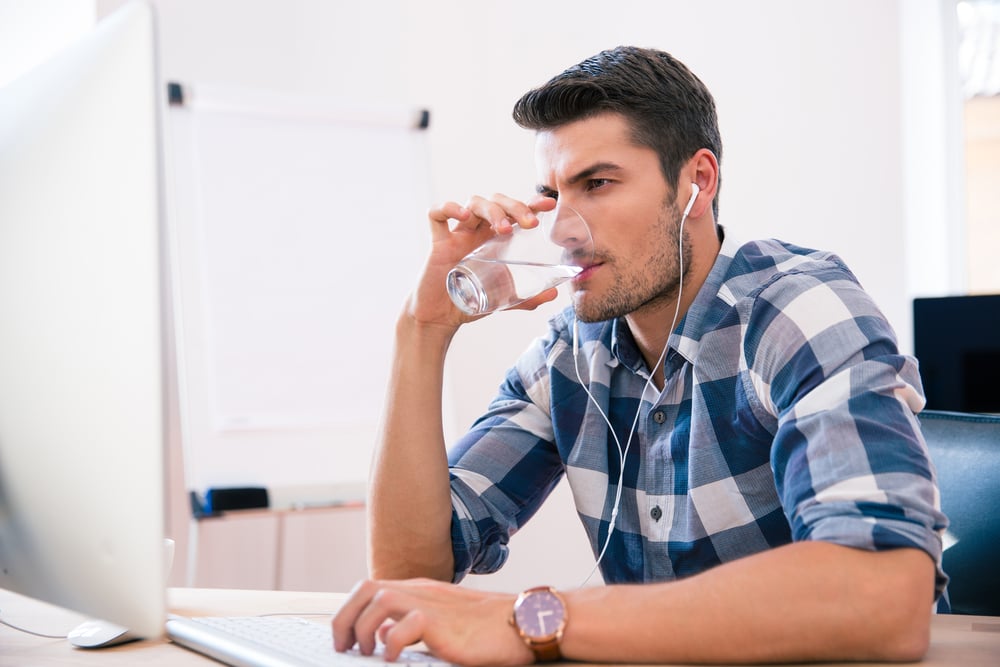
[669,109]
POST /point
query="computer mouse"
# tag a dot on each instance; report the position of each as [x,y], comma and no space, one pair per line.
[98,634]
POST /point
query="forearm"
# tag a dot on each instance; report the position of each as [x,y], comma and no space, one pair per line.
[804,602]
[409,499]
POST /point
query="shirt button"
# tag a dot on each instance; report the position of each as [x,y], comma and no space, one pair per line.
[656,513]
[659,417]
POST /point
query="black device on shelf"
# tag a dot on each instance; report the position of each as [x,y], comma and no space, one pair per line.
[956,339]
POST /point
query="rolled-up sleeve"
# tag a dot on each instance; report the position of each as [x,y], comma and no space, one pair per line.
[503,468]
[850,464]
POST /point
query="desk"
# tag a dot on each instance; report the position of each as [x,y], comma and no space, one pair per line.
[956,641]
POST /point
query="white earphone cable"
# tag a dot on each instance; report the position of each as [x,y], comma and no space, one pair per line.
[623,453]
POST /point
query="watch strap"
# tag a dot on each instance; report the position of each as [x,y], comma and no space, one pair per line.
[545,650]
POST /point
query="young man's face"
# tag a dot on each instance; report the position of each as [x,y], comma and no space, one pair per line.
[617,186]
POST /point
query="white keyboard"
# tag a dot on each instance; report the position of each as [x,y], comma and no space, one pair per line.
[275,641]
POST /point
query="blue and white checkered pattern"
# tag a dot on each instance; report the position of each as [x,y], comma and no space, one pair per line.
[788,414]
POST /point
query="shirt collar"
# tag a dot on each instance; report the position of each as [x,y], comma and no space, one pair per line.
[684,341]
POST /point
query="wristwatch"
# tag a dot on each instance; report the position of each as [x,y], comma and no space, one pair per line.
[539,616]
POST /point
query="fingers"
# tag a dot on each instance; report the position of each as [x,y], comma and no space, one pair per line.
[502,212]
[385,610]
[343,622]
[383,606]
[499,213]
[534,302]
[448,211]
[407,631]
[462,626]
[457,230]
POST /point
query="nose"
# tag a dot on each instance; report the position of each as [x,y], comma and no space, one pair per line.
[570,230]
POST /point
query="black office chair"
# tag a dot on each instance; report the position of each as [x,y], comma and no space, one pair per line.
[965,449]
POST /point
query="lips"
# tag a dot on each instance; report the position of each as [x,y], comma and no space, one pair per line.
[586,273]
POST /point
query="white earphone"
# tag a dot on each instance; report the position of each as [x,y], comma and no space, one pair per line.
[622,453]
[694,195]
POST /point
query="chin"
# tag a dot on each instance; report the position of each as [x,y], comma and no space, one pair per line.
[587,313]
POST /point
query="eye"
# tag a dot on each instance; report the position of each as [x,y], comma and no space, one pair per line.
[597,183]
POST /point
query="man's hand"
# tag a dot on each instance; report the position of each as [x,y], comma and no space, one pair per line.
[459,625]
[410,466]
[456,231]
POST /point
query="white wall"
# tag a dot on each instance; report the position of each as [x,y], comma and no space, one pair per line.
[818,106]
[813,98]
[31,31]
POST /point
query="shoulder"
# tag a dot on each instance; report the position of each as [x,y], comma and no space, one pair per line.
[776,266]
[809,289]
[787,298]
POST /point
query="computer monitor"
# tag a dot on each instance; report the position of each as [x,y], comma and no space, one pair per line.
[956,339]
[84,335]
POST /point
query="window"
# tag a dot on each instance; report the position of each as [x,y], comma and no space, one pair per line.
[979,72]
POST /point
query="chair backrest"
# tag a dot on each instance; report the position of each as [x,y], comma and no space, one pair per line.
[965,449]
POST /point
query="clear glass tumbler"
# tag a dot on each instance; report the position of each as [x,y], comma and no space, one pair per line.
[512,268]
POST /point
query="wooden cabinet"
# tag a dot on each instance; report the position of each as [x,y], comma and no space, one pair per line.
[323,549]
[320,549]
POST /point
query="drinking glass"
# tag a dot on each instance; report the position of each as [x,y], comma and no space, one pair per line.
[512,268]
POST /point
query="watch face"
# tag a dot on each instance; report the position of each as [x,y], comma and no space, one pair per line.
[540,615]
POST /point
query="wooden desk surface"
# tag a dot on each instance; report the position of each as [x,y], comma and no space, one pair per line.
[956,641]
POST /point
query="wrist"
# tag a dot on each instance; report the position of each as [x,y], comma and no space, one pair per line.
[428,337]
[414,322]
[539,615]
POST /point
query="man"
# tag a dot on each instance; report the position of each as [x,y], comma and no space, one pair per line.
[735,421]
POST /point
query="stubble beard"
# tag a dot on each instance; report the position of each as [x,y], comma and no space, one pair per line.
[654,285]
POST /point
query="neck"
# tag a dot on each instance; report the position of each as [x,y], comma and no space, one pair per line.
[650,327]
[652,324]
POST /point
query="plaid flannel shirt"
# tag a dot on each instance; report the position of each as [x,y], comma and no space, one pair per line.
[787,414]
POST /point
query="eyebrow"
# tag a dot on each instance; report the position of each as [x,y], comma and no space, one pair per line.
[581,175]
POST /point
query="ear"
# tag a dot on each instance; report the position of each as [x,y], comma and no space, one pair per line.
[702,169]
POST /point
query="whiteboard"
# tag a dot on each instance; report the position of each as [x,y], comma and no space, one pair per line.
[298,227]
